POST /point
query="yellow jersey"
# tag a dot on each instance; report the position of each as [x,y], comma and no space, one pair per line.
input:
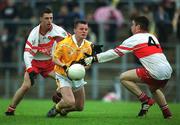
[67,51]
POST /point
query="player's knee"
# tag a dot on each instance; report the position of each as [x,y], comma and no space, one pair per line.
[122,77]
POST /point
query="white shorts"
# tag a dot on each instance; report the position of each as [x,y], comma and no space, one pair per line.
[63,81]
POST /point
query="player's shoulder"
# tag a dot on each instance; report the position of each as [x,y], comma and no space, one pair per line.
[34,29]
[33,32]
[57,27]
[138,35]
[66,40]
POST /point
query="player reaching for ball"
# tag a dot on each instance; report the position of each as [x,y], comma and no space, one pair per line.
[155,70]
[70,50]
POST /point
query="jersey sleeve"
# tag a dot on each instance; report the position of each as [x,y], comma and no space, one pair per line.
[59,31]
[28,59]
[126,46]
[107,56]
[30,49]
[57,52]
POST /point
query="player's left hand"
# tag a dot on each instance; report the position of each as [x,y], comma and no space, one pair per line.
[66,68]
[88,61]
[96,49]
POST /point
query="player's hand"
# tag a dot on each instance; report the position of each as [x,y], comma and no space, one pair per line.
[32,75]
[65,68]
[96,49]
[88,61]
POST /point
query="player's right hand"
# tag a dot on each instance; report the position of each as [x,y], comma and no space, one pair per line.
[88,61]
[96,49]
[65,68]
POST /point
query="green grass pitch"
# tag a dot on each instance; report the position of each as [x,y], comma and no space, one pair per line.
[32,112]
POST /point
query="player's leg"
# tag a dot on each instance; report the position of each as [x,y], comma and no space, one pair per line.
[67,101]
[57,96]
[49,72]
[79,102]
[19,94]
[80,99]
[161,100]
[130,79]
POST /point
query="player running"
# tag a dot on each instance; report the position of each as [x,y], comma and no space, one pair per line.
[37,55]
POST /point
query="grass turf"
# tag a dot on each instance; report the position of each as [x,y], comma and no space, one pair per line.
[33,112]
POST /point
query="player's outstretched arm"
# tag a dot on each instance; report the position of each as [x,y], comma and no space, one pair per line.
[101,57]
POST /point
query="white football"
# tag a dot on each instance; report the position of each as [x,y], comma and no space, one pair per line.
[76,72]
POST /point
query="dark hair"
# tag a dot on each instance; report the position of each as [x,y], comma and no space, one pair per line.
[44,10]
[142,21]
[79,22]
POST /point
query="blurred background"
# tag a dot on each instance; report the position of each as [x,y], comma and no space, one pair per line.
[109,22]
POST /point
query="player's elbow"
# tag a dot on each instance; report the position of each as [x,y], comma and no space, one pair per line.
[122,77]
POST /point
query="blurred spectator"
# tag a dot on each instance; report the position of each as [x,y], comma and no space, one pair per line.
[74,14]
[9,14]
[170,8]
[147,12]
[134,12]
[67,14]
[2,4]
[113,19]
[176,23]
[92,36]
[25,11]
[6,47]
[163,24]
[62,17]
[93,26]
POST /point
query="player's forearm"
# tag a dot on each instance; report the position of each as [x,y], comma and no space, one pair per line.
[107,56]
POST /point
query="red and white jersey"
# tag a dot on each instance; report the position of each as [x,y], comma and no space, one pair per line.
[147,49]
[39,46]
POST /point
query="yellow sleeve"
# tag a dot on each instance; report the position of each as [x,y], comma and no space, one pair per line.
[58,51]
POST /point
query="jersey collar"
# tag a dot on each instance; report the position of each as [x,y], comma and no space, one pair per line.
[75,41]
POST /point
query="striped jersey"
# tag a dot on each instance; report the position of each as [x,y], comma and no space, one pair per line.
[147,49]
[39,46]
